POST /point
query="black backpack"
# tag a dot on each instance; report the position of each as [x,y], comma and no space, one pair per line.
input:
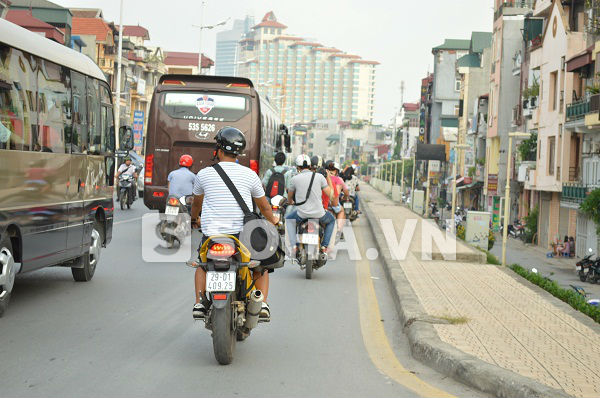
[276,184]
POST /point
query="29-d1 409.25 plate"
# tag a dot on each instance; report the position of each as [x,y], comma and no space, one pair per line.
[309,239]
[171,210]
[220,281]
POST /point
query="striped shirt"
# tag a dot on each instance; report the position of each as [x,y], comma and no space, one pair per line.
[221,214]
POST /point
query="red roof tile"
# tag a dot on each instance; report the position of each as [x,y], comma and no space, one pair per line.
[24,19]
[86,12]
[136,31]
[328,50]
[186,59]
[408,106]
[91,26]
[363,61]
[270,21]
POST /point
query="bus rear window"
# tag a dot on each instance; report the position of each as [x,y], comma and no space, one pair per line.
[206,106]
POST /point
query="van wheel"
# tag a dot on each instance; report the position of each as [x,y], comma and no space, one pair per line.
[90,259]
[8,272]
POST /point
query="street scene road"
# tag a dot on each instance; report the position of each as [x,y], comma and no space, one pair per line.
[130,332]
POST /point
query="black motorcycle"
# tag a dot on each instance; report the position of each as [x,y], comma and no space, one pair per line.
[348,205]
[309,234]
[126,186]
[175,224]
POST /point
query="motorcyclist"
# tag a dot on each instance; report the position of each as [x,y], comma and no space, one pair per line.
[181,181]
[339,187]
[352,182]
[278,169]
[127,168]
[309,205]
[221,213]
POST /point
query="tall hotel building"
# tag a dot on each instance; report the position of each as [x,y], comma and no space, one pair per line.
[307,80]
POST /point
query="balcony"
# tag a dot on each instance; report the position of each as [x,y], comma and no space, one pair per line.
[513,7]
[578,110]
[574,192]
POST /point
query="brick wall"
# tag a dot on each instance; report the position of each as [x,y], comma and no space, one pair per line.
[572,222]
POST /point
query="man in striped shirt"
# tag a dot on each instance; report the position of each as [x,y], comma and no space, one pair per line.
[221,213]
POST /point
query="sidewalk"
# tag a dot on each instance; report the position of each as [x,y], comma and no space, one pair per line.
[484,325]
[561,270]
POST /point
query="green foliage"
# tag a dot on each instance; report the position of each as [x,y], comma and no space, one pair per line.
[472,170]
[491,239]
[441,202]
[460,232]
[591,207]
[480,161]
[593,89]
[528,148]
[531,224]
[533,90]
[491,259]
[574,299]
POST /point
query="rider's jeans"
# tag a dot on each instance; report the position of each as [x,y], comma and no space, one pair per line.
[356,201]
[328,220]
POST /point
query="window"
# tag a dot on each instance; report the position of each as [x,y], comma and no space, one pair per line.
[17,121]
[553,82]
[54,98]
[107,121]
[94,112]
[78,138]
[551,154]
[457,85]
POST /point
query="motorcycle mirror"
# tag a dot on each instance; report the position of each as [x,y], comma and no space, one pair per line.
[590,250]
[534,270]
[182,200]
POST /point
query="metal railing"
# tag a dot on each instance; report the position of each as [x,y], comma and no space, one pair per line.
[578,110]
[574,192]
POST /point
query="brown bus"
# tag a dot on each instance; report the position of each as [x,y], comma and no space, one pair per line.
[186,113]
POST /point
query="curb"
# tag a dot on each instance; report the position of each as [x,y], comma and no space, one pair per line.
[427,347]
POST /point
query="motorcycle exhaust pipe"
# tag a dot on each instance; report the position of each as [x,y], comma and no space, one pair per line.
[253,309]
[323,257]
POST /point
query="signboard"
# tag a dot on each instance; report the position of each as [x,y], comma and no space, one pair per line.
[492,186]
[496,213]
[431,152]
[141,87]
[138,131]
[478,224]
[450,134]
[418,198]
[434,166]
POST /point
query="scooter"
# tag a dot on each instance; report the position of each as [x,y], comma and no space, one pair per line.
[309,235]
[126,182]
[583,266]
[348,205]
[175,224]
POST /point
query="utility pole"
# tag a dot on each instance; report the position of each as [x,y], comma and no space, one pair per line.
[200,17]
[119,56]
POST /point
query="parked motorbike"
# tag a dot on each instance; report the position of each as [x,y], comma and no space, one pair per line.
[233,303]
[175,224]
[348,205]
[584,265]
[593,276]
[309,235]
[126,183]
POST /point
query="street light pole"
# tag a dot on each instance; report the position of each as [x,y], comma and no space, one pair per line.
[119,66]
[507,192]
[200,38]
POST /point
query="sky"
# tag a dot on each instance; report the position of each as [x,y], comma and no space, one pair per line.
[397,33]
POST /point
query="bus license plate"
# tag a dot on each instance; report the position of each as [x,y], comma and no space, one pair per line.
[172,211]
[347,205]
[309,239]
[220,281]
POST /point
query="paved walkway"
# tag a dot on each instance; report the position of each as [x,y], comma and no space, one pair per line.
[504,321]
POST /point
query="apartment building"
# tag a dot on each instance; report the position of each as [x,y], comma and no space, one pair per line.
[307,79]
[227,45]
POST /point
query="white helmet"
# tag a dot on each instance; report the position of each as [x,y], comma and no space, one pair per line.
[303,161]
[336,166]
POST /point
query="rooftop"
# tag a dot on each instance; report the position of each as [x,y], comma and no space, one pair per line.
[86,12]
[270,21]
[480,41]
[178,58]
[453,44]
[35,4]
[92,26]
[469,61]
[136,31]
[410,107]
[24,19]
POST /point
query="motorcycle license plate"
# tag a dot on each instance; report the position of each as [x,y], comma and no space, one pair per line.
[578,267]
[220,281]
[309,239]
[586,270]
[347,205]
[172,211]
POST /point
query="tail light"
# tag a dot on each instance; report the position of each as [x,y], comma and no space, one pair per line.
[238,85]
[221,250]
[254,165]
[275,208]
[173,83]
[310,228]
[158,194]
[173,202]
[148,169]
[219,296]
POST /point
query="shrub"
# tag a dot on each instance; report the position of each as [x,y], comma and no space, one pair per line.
[460,232]
[571,297]
[591,207]
[531,224]
[491,239]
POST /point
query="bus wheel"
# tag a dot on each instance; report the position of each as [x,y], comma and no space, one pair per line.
[90,259]
[7,272]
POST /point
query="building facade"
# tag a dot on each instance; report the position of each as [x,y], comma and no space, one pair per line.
[227,45]
[308,80]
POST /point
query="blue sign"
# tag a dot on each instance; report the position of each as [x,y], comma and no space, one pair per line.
[138,131]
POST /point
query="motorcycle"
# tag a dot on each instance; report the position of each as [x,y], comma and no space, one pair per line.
[593,275]
[583,266]
[233,303]
[309,235]
[126,182]
[348,205]
[175,223]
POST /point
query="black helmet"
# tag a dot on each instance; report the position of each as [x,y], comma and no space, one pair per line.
[231,140]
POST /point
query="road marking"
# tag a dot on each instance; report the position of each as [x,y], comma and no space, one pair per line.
[375,339]
[126,221]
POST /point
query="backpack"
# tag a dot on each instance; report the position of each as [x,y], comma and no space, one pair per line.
[276,184]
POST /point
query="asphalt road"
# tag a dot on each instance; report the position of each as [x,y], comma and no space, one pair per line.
[129,332]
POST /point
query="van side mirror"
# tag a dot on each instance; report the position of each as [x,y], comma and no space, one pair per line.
[125,138]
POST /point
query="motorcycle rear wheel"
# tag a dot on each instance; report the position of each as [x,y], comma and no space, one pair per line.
[582,277]
[122,196]
[223,333]
[309,268]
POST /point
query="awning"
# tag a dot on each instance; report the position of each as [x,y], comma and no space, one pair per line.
[471,185]
[580,60]
[450,122]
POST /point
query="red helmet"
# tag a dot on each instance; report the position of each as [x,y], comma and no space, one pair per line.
[186,161]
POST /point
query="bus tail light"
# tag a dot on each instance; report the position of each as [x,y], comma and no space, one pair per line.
[173,83]
[148,169]
[238,85]
[254,165]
